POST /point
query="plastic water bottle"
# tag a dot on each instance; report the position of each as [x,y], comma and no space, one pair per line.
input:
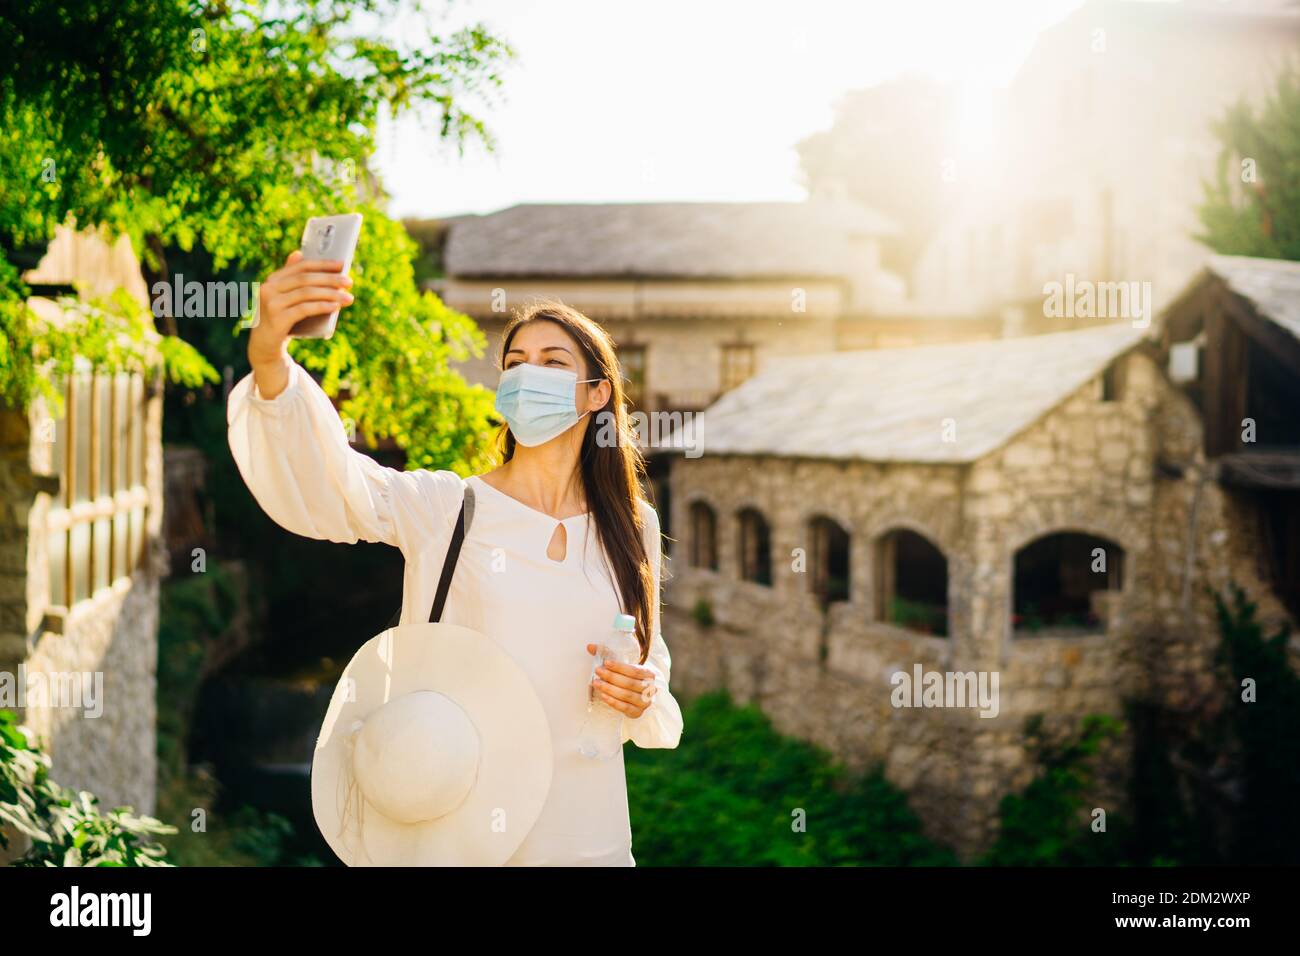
[602,729]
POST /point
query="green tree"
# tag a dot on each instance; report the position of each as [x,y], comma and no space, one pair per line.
[1252,206]
[222,125]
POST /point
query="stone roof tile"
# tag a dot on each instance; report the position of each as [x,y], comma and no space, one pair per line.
[672,239]
[1272,286]
[890,404]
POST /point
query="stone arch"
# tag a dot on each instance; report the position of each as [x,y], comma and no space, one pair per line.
[1116,530]
[829,557]
[1062,581]
[895,522]
[911,580]
[835,511]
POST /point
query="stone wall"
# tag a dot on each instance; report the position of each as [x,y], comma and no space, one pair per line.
[113,633]
[1091,466]
[1206,536]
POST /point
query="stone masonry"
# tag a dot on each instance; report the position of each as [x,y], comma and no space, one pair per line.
[113,633]
[1129,470]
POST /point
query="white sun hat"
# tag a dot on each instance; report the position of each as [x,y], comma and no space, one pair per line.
[435,751]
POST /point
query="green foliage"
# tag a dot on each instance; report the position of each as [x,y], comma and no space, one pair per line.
[248,836]
[18,375]
[1030,619]
[66,827]
[1212,785]
[264,838]
[112,333]
[430,235]
[195,613]
[1172,824]
[836,588]
[1266,731]
[731,793]
[223,126]
[1257,215]
[1048,824]
[396,358]
[927,618]
[1218,782]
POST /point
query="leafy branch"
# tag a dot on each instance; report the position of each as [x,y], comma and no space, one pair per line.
[66,827]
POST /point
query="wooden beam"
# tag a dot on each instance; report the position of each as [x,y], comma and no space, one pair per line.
[1280,343]
[1260,469]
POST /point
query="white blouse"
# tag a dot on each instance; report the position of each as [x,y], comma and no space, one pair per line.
[294,455]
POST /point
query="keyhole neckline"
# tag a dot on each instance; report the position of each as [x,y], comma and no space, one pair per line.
[563,531]
[528,508]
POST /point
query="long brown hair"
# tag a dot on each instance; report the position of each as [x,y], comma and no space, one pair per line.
[612,474]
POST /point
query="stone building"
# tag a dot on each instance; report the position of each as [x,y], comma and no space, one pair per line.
[80,520]
[698,296]
[1039,509]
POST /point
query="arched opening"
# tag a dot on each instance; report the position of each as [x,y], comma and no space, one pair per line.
[1061,583]
[704,536]
[911,583]
[830,560]
[755,548]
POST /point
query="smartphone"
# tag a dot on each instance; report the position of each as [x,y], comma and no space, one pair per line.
[327,237]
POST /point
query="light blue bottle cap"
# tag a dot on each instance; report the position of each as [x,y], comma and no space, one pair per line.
[624,622]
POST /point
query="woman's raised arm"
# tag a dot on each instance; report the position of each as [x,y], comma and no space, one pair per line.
[290,447]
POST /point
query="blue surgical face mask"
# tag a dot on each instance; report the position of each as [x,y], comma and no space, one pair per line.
[538,403]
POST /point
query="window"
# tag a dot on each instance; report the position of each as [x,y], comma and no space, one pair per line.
[96,526]
[1112,383]
[755,548]
[704,537]
[830,560]
[737,364]
[632,359]
[911,583]
[1060,583]
[1184,362]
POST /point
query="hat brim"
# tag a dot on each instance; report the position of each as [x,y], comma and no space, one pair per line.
[515,759]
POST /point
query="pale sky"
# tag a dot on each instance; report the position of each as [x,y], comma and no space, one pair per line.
[626,100]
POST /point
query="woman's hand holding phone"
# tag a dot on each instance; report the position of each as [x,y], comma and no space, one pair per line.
[299,289]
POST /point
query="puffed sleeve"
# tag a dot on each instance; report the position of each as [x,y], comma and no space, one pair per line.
[293,453]
[660,724]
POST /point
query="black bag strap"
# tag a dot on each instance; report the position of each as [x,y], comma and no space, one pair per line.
[449,562]
[449,566]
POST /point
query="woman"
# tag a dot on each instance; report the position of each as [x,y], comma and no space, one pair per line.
[561,539]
